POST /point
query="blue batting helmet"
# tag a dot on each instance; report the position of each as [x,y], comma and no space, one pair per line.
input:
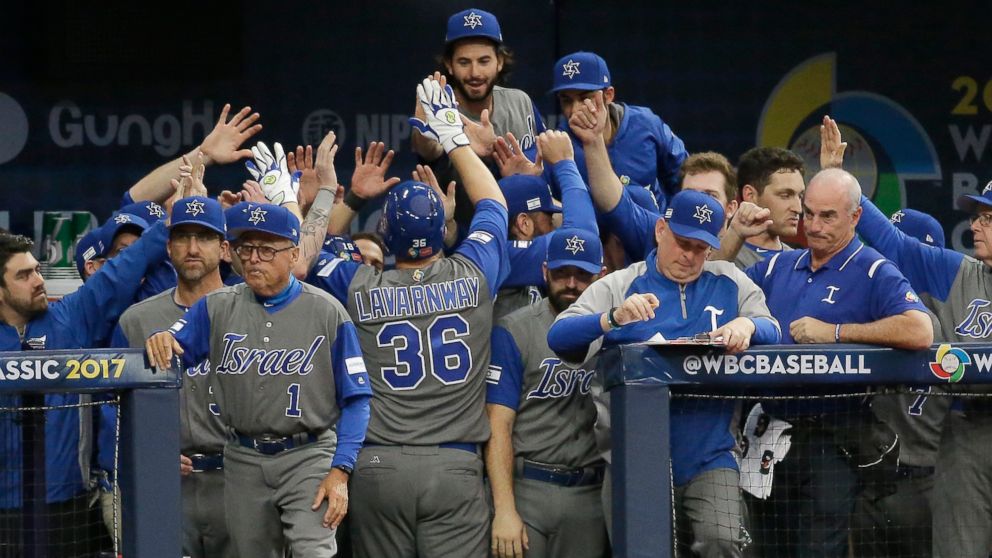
[412,222]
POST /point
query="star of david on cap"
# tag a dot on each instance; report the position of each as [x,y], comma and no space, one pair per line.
[122,218]
[156,210]
[703,214]
[575,245]
[473,20]
[897,217]
[194,207]
[257,216]
[987,188]
[570,69]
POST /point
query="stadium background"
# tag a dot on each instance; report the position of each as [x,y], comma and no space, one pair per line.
[94,97]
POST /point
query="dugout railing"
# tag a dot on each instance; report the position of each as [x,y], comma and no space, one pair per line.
[641,379]
[147,439]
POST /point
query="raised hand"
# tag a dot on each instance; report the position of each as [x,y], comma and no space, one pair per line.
[588,120]
[442,121]
[301,162]
[222,144]
[425,174]
[750,220]
[368,180]
[326,176]
[831,147]
[272,173]
[251,191]
[228,199]
[511,159]
[555,146]
[481,135]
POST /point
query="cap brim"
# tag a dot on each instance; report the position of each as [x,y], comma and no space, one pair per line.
[696,234]
[578,87]
[200,223]
[581,264]
[232,234]
[969,203]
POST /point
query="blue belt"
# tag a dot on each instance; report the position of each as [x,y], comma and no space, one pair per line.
[562,476]
[272,445]
[464,446]
[206,461]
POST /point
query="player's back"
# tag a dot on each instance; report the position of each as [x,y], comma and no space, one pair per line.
[425,335]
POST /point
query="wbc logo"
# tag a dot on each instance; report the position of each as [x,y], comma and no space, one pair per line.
[950,363]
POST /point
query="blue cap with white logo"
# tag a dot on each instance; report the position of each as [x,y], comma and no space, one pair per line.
[526,193]
[584,71]
[695,215]
[970,203]
[262,217]
[573,246]
[343,247]
[199,210]
[473,23]
[117,223]
[920,226]
[147,210]
[89,247]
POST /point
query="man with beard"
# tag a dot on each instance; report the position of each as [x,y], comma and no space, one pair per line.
[29,322]
[196,242]
[476,62]
[545,472]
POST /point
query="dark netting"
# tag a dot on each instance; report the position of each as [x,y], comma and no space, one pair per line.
[58,475]
[866,473]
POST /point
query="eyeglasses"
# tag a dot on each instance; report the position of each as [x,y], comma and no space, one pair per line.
[984,219]
[265,253]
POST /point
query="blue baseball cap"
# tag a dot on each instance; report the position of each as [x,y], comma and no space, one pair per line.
[117,223]
[573,246]
[695,215]
[473,23]
[584,71]
[642,197]
[147,210]
[525,193]
[199,210]
[89,247]
[970,203]
[343,247]
[920,226]
[262,217]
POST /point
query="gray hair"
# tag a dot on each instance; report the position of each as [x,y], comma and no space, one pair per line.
[846,179]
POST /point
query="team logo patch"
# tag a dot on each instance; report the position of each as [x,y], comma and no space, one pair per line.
[570,69]
[194,208]
[533,204]
[897,217]
[481,236]
[89,253]
[625,180]
[703,214]
[37,343]
[929,238]
[668,213]
[473,20]
[122,218]
[494,374]
[257,216]
[450,117]
[911,297]
[155,210]
[269,180]
[418,275]
[177,327]
[988,188]
[950,363]
[575,244]
[355,365]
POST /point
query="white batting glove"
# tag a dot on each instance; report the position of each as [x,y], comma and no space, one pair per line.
[272,173]
[444,123]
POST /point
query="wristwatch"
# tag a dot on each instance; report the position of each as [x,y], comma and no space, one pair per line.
[344,468]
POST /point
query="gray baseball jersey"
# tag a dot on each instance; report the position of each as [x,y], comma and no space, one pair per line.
[510,300]
[201,429]
[555,412]
[751,254]
[425,335]
[298,352]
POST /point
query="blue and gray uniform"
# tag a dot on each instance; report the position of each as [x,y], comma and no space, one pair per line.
[425,334]
[703,441]
[288,375]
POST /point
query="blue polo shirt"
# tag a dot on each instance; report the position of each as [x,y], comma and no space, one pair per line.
[857,285]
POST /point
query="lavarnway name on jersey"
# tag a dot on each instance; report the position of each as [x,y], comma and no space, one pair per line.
[417,300]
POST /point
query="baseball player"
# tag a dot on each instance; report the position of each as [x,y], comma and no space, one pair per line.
[196,241]
[545,472]
[475,62]
[642,148]
[288,375]
[424,328]
[837,291]
[959,289]
[677,292]
[29,322]
[531,208]
[372,249]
